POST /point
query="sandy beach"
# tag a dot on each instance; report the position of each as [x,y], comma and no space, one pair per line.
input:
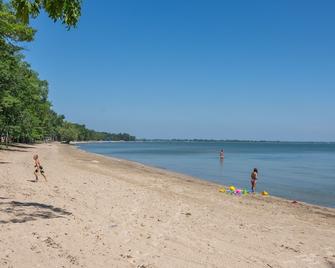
[96,211]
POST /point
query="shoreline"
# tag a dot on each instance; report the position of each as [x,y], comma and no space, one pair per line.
[97,211]
[198,178]
[209,141]
[201,181]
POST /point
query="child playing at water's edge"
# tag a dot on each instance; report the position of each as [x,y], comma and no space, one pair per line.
[254,177]
[38,168]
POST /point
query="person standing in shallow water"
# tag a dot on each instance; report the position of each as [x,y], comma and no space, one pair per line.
[254,177]
[221,154]
[38,168]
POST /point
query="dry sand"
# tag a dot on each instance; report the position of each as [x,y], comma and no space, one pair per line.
[96,211]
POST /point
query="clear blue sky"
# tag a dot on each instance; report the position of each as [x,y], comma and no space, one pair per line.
[194,69]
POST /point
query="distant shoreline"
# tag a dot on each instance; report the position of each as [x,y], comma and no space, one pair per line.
[234,141]
[84,142]
[209,141]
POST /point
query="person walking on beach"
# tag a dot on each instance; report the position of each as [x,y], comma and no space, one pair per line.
[254,177]
[38,168]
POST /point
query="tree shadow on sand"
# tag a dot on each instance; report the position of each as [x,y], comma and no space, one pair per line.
[11,149]
[20,212]
[23,146]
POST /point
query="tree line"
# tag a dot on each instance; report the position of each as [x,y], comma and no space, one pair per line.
[26,114]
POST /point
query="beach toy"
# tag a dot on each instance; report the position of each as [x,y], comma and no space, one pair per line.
[265,193]
[232,188]
[238,191]
[244,191]
[222,190]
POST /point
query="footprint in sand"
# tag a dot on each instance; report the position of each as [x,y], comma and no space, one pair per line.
[51,243]
[62,253]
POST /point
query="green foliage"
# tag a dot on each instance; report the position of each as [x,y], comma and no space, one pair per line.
[68,132]
[26,115]
[11,28]
[75,132]
[67,11]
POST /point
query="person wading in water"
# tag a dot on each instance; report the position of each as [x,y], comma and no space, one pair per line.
[221,154]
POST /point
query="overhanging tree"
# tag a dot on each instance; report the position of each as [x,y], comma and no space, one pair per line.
[67,11]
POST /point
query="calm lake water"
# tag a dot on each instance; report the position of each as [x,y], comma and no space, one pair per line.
[299,171]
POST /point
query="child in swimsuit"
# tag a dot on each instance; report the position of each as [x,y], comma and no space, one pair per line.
[254,177]
[38,168]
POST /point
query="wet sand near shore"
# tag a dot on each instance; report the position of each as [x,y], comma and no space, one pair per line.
[96,211]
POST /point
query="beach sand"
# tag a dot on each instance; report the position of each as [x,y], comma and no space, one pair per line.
[96,211]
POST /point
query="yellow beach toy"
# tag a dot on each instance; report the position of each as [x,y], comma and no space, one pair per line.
[232,188]
[265,193]
[222,190]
